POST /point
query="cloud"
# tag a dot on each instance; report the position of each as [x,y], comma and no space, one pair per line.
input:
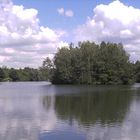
[61,11]
[67,13]
[115,22]
[23,42]
[44,120]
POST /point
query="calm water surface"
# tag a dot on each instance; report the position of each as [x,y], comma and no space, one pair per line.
[40,111]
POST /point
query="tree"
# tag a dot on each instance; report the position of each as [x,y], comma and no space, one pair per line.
[2,75]
[137,71]
[63,71]
[13,74]
[47,69]
[89,63]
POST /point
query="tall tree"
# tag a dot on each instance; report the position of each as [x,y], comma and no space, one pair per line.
[2,74]
[13,74]
[47,69]
[89,63]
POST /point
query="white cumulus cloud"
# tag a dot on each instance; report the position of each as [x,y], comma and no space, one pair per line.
[67,13]
[61,11]
[23,42]
[115,22]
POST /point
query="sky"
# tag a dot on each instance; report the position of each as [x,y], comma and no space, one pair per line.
[31,30]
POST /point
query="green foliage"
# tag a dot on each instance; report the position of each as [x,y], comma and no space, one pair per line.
[137,71]
[47,69]
[2,74]
[26,74]
[13,74]
[30,74]
[89,63]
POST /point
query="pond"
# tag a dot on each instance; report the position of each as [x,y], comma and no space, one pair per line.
[41,111]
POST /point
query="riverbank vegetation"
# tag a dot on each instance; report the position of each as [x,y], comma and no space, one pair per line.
[89,63]
[26,74]
[86,63]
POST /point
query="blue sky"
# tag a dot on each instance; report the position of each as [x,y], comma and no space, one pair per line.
[47,10]
[31,30]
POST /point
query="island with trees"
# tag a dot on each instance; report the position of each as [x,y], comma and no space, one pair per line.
[84,63]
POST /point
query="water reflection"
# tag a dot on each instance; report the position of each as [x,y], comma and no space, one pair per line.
[24,119]
[104,106]
[36,111]
[102,113]
[22,116]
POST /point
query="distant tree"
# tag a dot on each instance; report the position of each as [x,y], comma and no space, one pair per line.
[62,62]
[31,74]
[89,63]
[13,74]
[86,63]
[137,71]
[47,69]
[2,74]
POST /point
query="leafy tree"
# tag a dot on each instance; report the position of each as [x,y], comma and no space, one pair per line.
[2,74]
[89,63]
[13,74]
[137,71]
[86,63]
[46,69]
[62,62]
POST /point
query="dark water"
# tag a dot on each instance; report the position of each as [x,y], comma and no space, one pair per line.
[40,111]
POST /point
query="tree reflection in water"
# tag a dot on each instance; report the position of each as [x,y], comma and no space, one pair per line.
[107,106]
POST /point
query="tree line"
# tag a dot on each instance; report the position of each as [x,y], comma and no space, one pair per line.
[91,63]
[85,63]
[25,74]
